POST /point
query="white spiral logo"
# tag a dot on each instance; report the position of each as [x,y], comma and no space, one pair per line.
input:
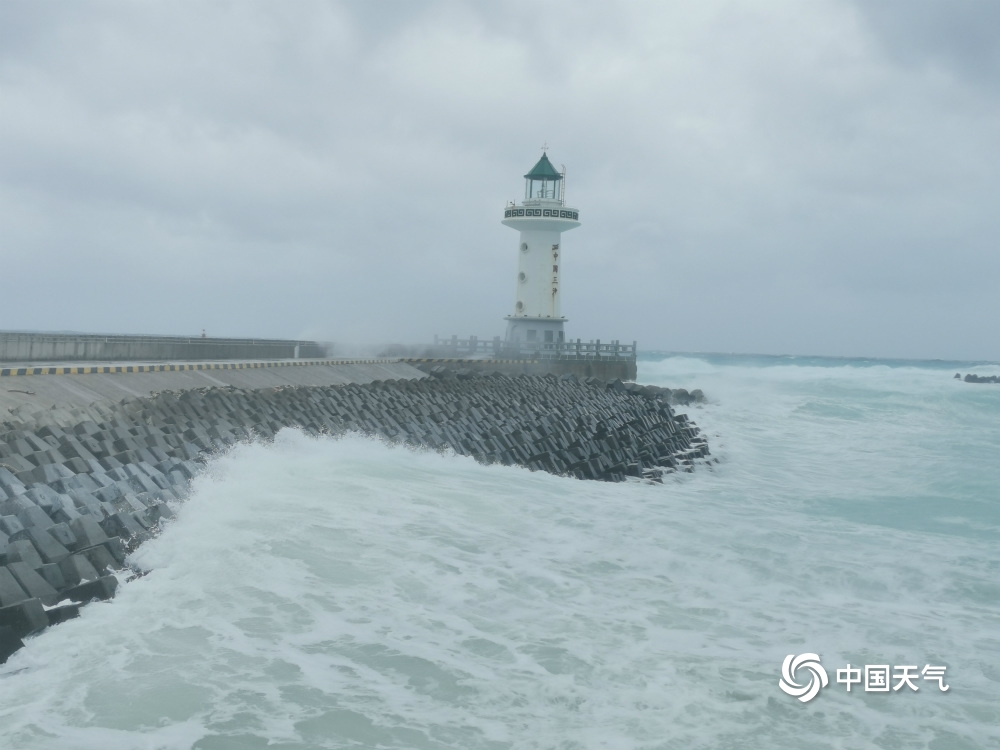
[817,678]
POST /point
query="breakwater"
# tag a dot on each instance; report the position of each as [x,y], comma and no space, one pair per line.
[82,486]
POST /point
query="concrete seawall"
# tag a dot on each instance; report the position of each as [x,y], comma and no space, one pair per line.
[85,480]
[76,385]
[16,346]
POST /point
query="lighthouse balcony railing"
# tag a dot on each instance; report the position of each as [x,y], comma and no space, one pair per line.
[497,348]
[536,201]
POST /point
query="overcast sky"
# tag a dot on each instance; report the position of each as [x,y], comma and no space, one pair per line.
[804,177]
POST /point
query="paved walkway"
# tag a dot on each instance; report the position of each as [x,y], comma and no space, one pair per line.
[75,384]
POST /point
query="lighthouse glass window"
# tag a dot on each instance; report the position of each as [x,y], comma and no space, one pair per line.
[543,189]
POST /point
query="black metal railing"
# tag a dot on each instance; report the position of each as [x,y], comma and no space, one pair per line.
[499,349]
[26,346]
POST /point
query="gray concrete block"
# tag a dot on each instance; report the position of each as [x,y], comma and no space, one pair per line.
[103,588]
[43,458]
[94,466]
[74,482]
[53,575]
[159,512]
[124,526]
[14,505]
[87,482]
[142,483]
[116,548]
[88,532]
[34,516]
[77,465]
[22,550]
[129,503]
[110,493]
[100,479]
[9,643]
[100,558]
[10,525]
[32,583]
[46,474]
[188,468]
[43,496]
[66,513]
[24,618]
[84,500]
[77,568]
[18,465]
[36,443]
[109,463]
[62,613]
[52,429]
[62,533]
[160,453]
[177,479]
[49,549]
[10,590]
[86,427]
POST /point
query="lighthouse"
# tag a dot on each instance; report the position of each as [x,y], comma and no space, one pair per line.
[540,219]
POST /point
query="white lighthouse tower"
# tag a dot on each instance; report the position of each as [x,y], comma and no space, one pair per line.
[541,219]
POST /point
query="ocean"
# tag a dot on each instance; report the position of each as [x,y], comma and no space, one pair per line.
[343,593]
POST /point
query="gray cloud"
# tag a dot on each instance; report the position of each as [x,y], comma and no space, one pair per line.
[782,177]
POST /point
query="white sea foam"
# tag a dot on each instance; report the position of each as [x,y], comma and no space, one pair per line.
[342,593]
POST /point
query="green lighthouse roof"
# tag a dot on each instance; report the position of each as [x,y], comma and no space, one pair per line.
[543,170]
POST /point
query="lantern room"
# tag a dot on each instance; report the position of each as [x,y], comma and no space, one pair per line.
[543,182]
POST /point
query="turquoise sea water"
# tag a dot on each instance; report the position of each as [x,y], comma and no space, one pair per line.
[342,593]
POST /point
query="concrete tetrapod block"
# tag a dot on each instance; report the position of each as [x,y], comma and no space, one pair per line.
[77,568]
[117,550]
[34,517]
[66,513]
[87,531]
[47,473]
[103,588]
[50,550]
[62,533]
[100,558]
[10,483]
[24,551]
[62,613]
[24,618]
[32,583]
[9,643]
[10,590]
[10,525]
[125,527]
[108,494]
[43,496]
[53,575]
[19,465]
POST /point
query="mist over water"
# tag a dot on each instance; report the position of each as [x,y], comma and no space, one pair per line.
[331,593]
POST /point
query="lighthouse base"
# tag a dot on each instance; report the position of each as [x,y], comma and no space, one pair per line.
[543,333]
